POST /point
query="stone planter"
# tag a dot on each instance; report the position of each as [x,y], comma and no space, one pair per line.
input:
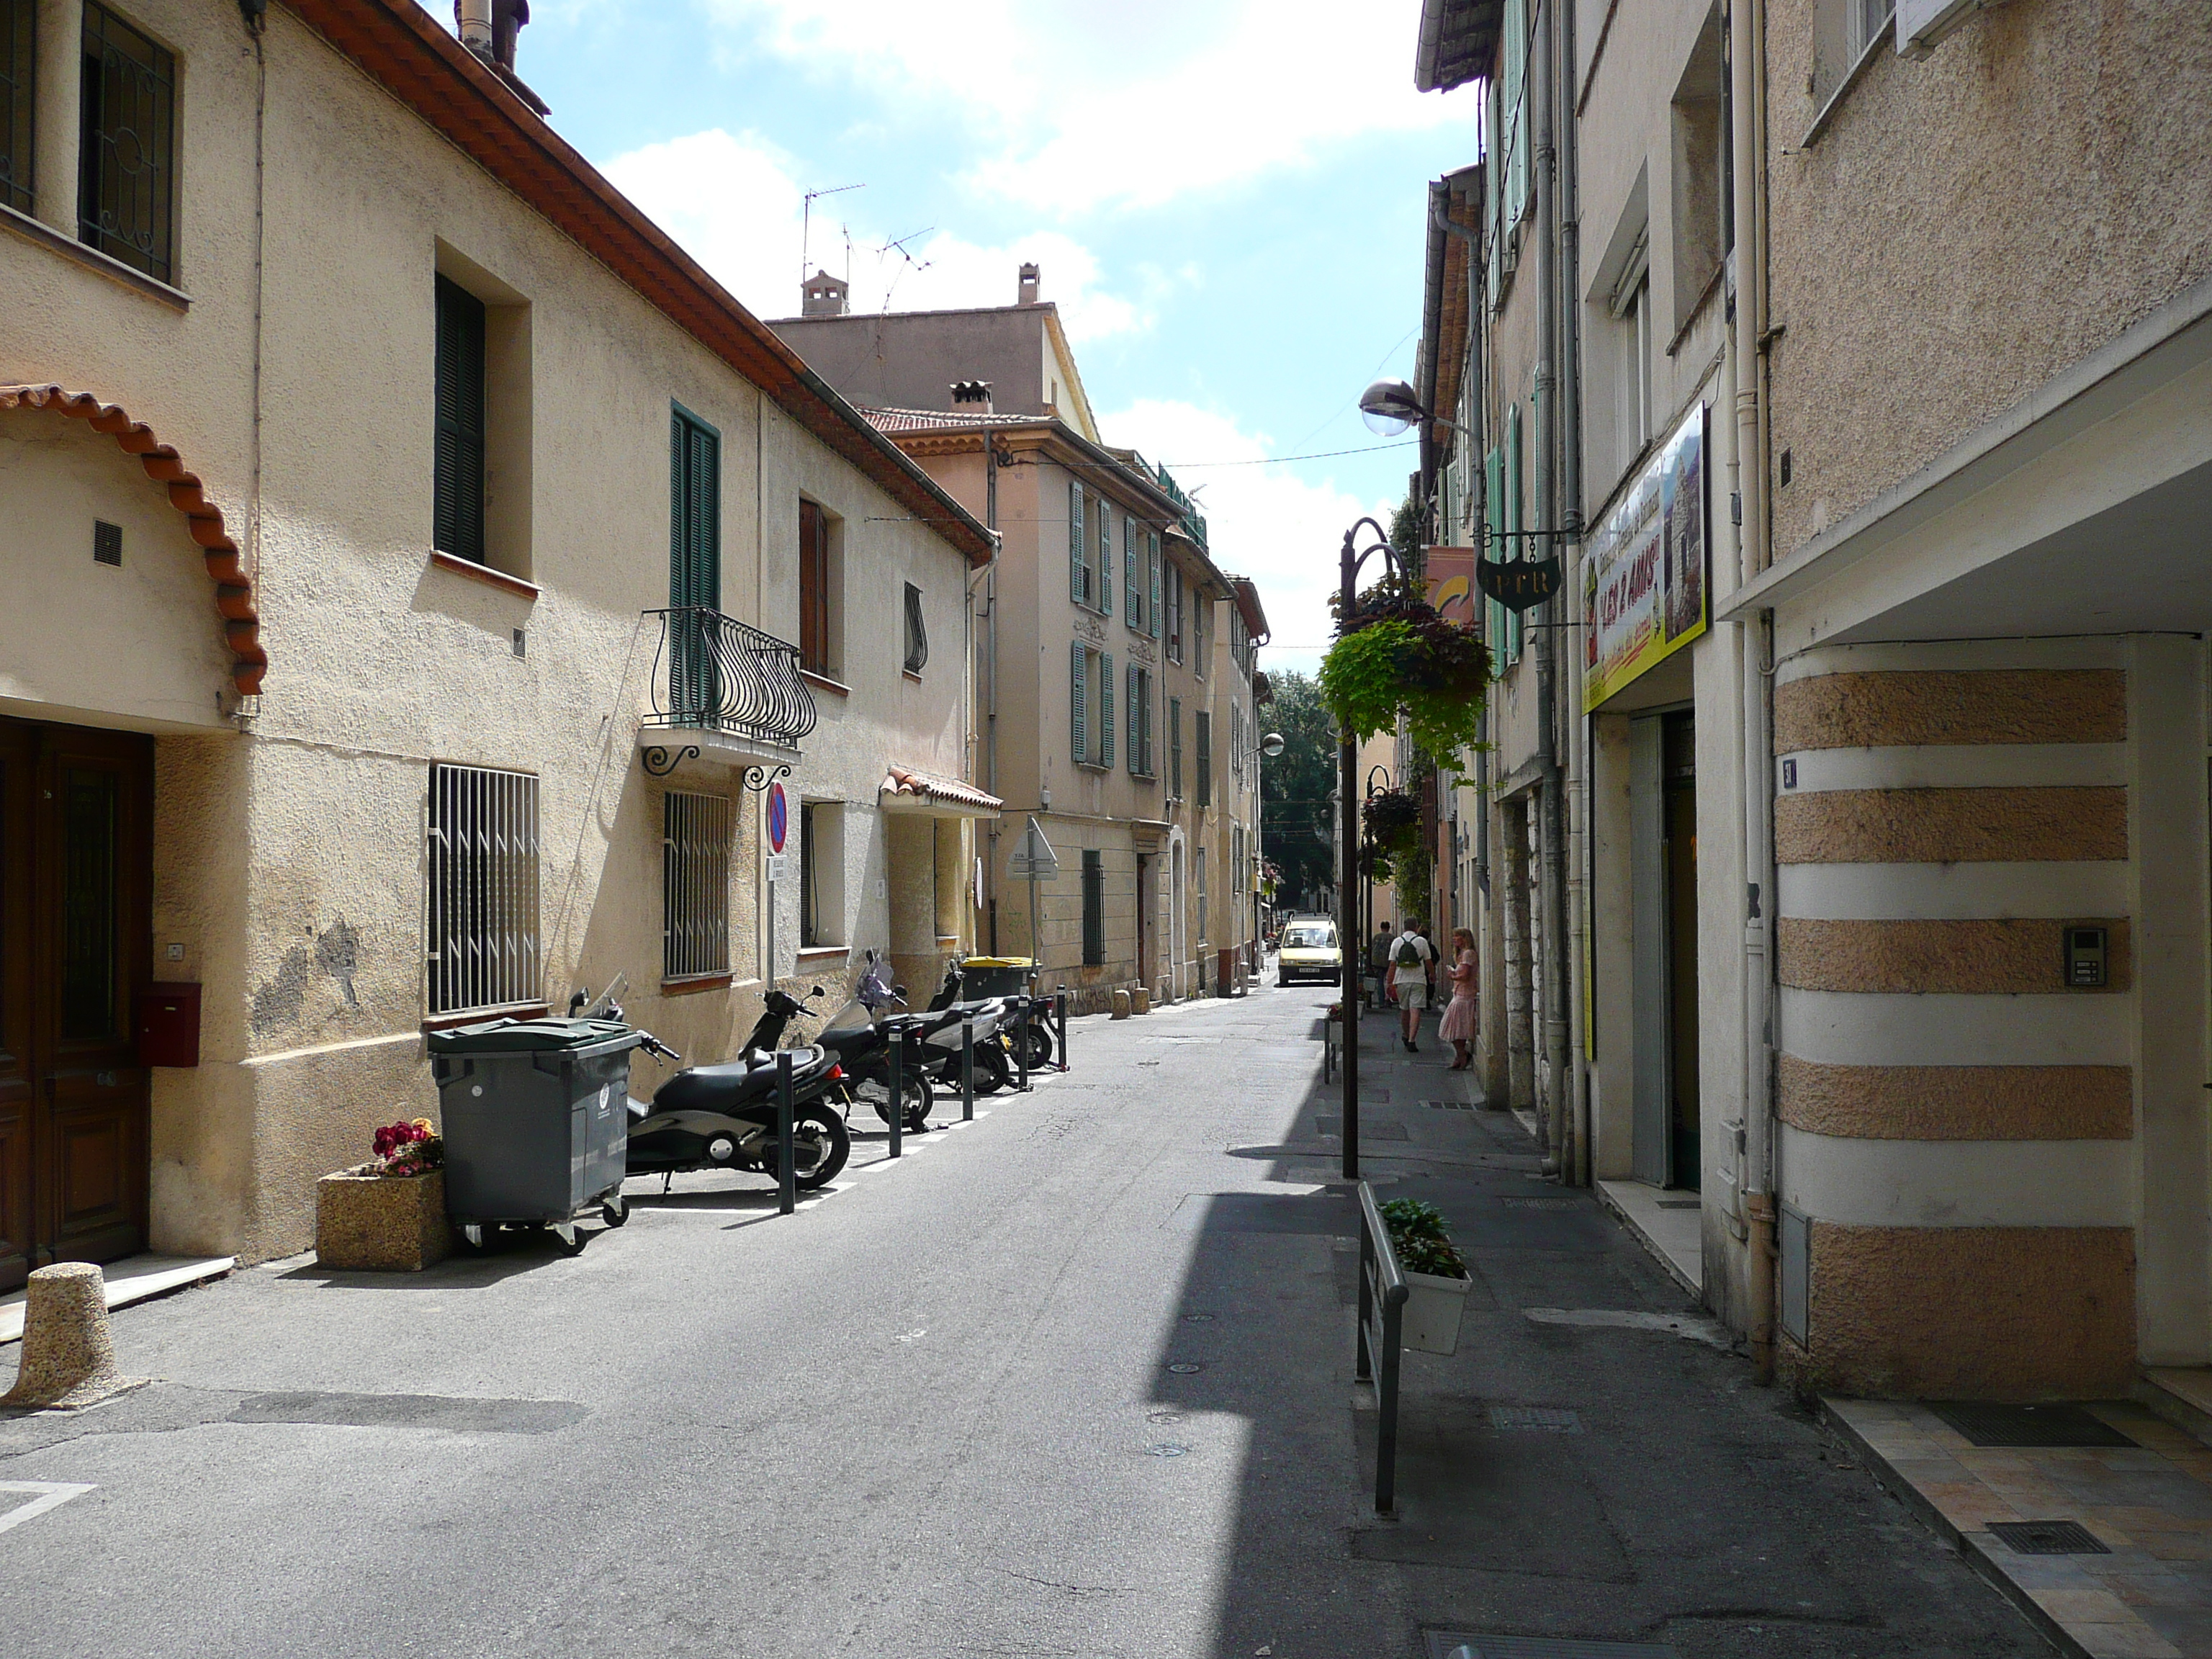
[387,1223]
[1429,1323]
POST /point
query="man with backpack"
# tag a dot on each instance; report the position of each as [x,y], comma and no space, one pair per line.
[1410,956]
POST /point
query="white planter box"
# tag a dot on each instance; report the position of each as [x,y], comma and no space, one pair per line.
[1429,1322]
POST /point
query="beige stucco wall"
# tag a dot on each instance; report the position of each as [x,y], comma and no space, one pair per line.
[289,855]
[1948,282]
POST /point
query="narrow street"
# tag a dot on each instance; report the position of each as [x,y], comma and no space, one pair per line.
[947,1410]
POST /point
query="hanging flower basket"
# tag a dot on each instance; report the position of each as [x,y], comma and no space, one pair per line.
[1394,655]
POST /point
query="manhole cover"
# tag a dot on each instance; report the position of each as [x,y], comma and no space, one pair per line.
[1547,1420]
[1543,1203]
[1166,1448]
[1461,1645]
[1186,1368]
[1986,1424]
[2047,1538]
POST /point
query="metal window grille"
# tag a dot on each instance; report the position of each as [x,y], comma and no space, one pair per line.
[695,885]
[1094,908]
[482,923]
[917,632]
[127,119]
[18,94]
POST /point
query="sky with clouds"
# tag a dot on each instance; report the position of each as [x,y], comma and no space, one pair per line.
[1226,199]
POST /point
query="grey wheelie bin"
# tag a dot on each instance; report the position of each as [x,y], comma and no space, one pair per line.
[536,1122]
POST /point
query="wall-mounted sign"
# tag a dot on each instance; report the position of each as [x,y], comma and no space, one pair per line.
[778,818]
[1449,574]
[1519,584]
[1644,567]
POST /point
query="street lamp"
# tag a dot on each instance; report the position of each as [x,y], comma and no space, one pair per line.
[1389,407]
[1369,794]
[1347,763]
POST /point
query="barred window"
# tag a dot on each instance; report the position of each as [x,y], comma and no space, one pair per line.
[695,885]
[917,632]
[1094,908]
[18,55]
[127,119]
[482,923]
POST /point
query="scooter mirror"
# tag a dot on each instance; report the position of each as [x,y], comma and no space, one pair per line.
[816,991]
[896,991]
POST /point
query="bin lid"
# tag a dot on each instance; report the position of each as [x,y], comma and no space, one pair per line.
[999,962]
[512,1036]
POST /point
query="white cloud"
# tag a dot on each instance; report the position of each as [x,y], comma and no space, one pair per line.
[1264,522]
[733,201]
[1079,107]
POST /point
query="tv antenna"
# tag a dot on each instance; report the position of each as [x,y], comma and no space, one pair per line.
[806,222]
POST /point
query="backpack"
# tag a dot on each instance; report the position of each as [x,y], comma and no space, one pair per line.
[1408,953]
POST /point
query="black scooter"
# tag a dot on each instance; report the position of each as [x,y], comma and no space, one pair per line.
[724,1117]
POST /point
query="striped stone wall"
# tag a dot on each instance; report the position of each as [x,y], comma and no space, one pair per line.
[1956,1121]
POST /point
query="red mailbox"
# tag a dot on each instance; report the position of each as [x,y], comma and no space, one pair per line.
[170,1025]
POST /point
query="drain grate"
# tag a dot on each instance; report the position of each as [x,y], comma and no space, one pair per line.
[1987,1424]
[1468,1644]
[1542,1203]
[1448,1105]
[2047,1538]
[1542,1420]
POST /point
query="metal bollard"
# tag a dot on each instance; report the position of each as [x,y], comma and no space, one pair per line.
[1059,1014]
[898,1088]
[1022,1043]
[786,1175]
[968,1069]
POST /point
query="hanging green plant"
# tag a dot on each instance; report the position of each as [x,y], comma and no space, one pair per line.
[1390,832]
[1395,655]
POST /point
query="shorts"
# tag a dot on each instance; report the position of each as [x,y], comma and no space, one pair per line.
[1412,996]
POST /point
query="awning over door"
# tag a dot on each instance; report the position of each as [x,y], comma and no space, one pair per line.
[927,795]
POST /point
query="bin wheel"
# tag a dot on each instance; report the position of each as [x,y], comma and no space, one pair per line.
[566,1235]
[614,1209]
[479,1235]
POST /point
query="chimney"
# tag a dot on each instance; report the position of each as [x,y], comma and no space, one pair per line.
[822,295]
[1029,286]
[474,19]
[967,394]
[489,28]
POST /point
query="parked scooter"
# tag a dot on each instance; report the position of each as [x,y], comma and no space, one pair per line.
[859,1036]
[1004,1019]
[724,1117]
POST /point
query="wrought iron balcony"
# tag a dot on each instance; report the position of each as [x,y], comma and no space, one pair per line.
[712,673]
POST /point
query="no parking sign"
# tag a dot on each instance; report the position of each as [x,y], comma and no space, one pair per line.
[779,817]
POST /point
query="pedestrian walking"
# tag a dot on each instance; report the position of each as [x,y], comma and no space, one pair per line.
[1410,956]
[1458,1026]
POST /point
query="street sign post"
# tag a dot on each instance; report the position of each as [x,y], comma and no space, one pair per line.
[1034,860]
[778,861]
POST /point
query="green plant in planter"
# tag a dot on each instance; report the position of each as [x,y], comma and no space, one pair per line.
[1418,1234]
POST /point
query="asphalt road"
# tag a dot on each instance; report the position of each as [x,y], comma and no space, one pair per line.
[1072,1380]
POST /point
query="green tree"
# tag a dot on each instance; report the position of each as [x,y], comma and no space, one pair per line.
[1294,789]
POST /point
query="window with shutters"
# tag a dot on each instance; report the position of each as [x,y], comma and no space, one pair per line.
[19,22]
[1094,907]
[695,885]
[1202,758]
[917,633]
[1133,595]
[458,498]
[1174,748]
[1200,919]
[695,561]
[1102,576]
[821,608]
[482,902]
[1092,697]
[126,126]
[1140,722]
[1079,545]
[1152,582]
[1236,743]
[1173,644]
[1199,604]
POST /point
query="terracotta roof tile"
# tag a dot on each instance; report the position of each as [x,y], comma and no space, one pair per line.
[950,792]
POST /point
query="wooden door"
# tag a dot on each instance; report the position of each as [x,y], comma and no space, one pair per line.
[75,942]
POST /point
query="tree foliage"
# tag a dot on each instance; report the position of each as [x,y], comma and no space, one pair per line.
[1294,789]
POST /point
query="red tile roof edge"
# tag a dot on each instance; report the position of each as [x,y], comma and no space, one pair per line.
[400,47]
[903,781]
[233,589]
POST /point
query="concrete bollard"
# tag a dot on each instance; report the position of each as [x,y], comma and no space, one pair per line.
[1121,1004]
[69,1357]
[1140,1000]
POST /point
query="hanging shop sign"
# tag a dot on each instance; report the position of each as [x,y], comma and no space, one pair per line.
[1519,584]
[1645,566]
[1448,574]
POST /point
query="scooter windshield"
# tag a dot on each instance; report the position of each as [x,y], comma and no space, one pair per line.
[848,1020]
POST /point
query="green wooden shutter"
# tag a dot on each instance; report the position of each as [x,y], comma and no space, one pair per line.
[1136,724]
[1105,558]
[1106,708]
[1077,549]
[1145,710]
[1134,611]
[1513,462]
[1175,747]
[1078,705]
[1153,564]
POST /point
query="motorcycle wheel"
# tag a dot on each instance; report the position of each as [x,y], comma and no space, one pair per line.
[994,1070]
[816,1121]
[921,1097]
[1040,1041]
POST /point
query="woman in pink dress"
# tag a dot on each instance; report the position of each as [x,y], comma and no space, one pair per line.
[1458,1027]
